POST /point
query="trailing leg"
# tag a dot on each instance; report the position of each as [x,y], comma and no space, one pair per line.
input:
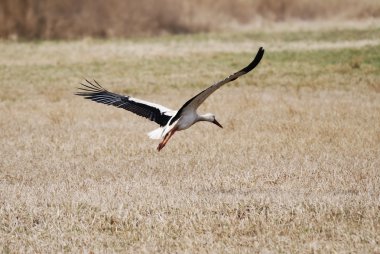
[166,139]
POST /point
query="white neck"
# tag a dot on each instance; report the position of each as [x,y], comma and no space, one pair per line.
[206,117]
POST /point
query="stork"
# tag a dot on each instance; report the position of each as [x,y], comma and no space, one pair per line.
[169,120]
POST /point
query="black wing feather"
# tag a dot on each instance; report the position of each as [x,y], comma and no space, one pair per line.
[95,92]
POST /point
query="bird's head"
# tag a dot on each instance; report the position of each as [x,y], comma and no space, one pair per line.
[211,118]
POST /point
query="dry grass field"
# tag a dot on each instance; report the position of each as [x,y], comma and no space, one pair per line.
[296,168]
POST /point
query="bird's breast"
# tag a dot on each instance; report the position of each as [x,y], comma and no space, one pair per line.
[186,121]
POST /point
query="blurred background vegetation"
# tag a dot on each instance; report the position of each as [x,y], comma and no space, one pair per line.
[71,19]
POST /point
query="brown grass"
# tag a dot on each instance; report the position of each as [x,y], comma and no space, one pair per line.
[46,19]
[295,169]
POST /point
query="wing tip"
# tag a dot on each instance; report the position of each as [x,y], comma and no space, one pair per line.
[255,61]
[88,88]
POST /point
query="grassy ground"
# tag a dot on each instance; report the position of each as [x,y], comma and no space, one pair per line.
[295,169]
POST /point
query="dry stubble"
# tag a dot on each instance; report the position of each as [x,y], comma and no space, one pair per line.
[295,169]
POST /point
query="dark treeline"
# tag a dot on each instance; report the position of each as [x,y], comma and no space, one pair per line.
[68,19]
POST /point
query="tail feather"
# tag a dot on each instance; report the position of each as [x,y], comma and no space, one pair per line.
[156,134]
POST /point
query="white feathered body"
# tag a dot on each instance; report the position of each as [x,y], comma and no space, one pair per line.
[184,122]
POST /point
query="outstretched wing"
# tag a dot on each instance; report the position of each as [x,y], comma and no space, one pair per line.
[198,99]
[152,111]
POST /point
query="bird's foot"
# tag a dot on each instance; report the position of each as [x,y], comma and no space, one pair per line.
[160,146]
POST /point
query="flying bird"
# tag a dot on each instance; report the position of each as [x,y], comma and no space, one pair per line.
[169,120]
